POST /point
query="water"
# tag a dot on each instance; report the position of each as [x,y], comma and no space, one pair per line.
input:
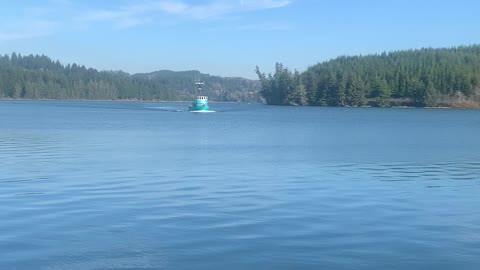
[112,185]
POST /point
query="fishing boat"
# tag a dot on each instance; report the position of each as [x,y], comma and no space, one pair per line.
[201,101]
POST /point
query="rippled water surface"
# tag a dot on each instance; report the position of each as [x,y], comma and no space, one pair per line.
[111,185]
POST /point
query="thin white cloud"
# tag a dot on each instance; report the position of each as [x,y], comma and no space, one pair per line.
[27,29]
[123,17]
[218,8]
[171,7]
[265,4]
[266,27]
[43,21]
[211,10]
[132,21]
[33,21]
[61,2]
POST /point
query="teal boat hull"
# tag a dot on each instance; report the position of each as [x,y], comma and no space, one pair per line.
[200,104]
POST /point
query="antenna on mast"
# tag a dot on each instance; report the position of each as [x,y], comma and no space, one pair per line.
[198,84]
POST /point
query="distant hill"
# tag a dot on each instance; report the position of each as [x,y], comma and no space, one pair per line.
[39,77]
[217,88]
[425,77]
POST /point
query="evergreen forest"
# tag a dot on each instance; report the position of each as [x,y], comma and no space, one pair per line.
[422,78]
[39,77]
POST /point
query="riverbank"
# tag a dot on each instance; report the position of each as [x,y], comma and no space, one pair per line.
[465,104]
[95,100]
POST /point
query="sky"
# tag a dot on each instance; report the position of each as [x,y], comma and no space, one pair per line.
[229,37]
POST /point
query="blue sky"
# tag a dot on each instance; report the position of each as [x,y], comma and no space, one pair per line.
[229,37]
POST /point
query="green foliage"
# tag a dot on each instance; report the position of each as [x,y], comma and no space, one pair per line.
[39,77]
[298,94]
[383,93]
[356,91]
[217,88]
[282,88]
[415,77]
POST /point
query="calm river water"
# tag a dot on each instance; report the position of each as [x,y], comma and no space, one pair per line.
[113,185]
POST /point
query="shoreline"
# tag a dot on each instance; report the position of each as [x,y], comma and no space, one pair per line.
[91,100]
[186,101]
[112,100]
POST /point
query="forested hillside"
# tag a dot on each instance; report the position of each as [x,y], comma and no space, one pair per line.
[39,77]
[217,88]
[425,77]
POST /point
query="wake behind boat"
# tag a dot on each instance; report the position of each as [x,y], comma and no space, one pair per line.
[200,105]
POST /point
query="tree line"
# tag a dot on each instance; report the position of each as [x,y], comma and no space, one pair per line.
[217,88]
[39,77]
[424,77]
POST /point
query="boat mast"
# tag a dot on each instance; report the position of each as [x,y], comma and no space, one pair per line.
[198,85]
